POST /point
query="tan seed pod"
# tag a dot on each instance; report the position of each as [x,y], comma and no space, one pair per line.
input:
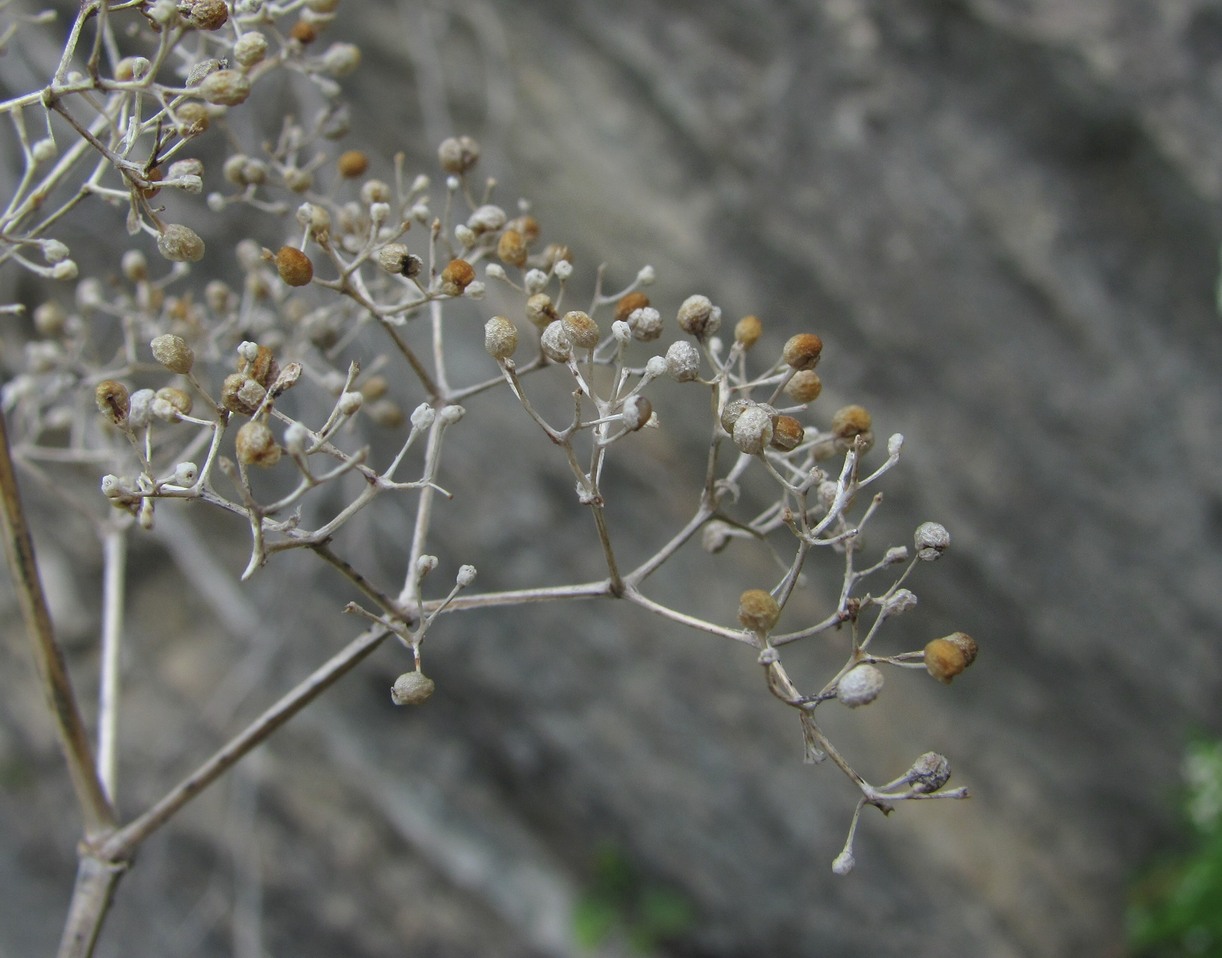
[412,688]
[527,225]
[457,276]
[294,266]
[304,32]
[804,386]
[731,411]
[628,304]
[553,253]
[180,244]
[803,350]
[859,686]
[225,88]
[581,329]
[192,119]
[256,445]
[787,433]
[262,367]
[758,610]
[511,248]
[113,399]
[540,311]
[929,773]
[966,644]
[699,317]
[352,163]
[179,399]
[241,394]
[204,14]
[386,413]
[500,337]
[947,657]
[747,331]
[457,154]
[173,353]
[555,343]
[850,421]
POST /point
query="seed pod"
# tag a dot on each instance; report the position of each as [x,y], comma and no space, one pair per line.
[629,303]
[114,401]
[294,266]
[457,276]
[948,656]
[351,164]
[753,430]
[204,14]
[241,394]
[177,399]
[804,386]
[636,412]
[581,329]
[803,351]
[555,343]
[256,445]
[758,610]
[458,154]
[511,248]
[250,49]
[850,421]
[645,323]
[540,311]
[304,32]
[699,317]
[500,337]
[931,540]
[258,363]
[375,191]
[929,773]
[747,331]
[683,361]
[180,244]
[173,353]
[860,686]
[412,688]
[787,433]
[731,411]
[225,88]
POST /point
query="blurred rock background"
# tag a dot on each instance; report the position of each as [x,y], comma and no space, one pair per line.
[1003,218]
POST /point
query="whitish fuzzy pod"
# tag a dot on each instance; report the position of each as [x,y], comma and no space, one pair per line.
[170,403]
[581,329]
[458,154]
[225,88]
[931,540]
[683,361]
[140,411]
[758,610]
[555,343]
[860,686]
[340,59]
[645,323]
[173,353]
[636,412]
[843,863]
[250,49]
[753,430]
[540,311]
[412,688]
[500,337]
[486,219]
[901,601]
[180,244]
[699,317]
[256,445]
[929,772]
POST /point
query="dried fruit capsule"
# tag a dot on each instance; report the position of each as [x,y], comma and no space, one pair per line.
[804,386]
[787,433]
[682,361]
[803,350]
[204,14]
[929,773]
[457,276]
[411,688]
[753,430]
[500,337]
[636,412]
[173,353]
[747,331]
[256,445]
[758,610]
[241,394]
[859,686]
[176,399]
[511,248]
[540,311]
[931,540]
[225,88]
[851,421]
[294,266]
[113,400]
[352,163]
[948,656]
[645,323]
[555,343]
[581,329]
[180,244]
[699,317]
[628,303]
[458,154]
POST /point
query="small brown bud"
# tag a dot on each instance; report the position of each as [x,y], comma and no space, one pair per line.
[457,276]
[256,445]
[628,303]
[948,656]
[747,331]
[113,400]
[511,248]
[803,351]
[758,610]
[527,225]
[294,266]
[851,421]
[304,32]
[804,386]
[173,353]
[351,164]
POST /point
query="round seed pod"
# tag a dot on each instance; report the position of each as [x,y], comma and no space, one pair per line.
[225,88]
[511,248]
[113,399]
[683,361]
[540,311]
[294,266]
[500,337]
[457,276]
[758,610]
[929,773]
[375,191]
[803,350]
[629,303]
[304,32]
[747,331]
[948,656]
[636,412]
[804,386]
[458,154]
[250,49]
[753,430]
[177,399]
[412,688]
[180,244]
[204,14]
[731,411]
[850,421]
[787,433]
[860,686]
[581,329]
[173,353]
[555,343]
[699,317]
[645,323]
[352,163]
[256,445]
[527,225]
[931,540]
[241,394]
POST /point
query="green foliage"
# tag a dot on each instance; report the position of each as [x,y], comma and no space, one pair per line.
[620,902]
[1176,910]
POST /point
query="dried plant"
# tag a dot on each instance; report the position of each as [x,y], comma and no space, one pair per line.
[256,393]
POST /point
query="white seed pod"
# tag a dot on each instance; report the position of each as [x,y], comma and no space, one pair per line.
[340,59]
[173,353]
[457,154]
[929,773]
[563,269]
[636,412]
[412,688]
[422,416]
[753,430]
[683,361]
[894,445]
[180,244]
[895,555]
[731,411]
[555,343]
[296,436]
[466,575]
[185,474]
[250,49]
[425,564]
[350,402]
[843,863]
[699,317]
[486,219]
[656,367]
[860,686]
[535,281]
[140,412]
[901,601]
[645,323]
[931,539]
[225,88]
[451,414]
[500,337]
[621,332]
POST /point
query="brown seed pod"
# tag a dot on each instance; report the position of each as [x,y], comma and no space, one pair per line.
[581,329]
[256,445]
[527,225]
[747,331]
[114,401]
[511,248]
[803,350]
[204,14]
[241,394]
[173,353]
[629,303]
[851,421]
[263,368]
[948,656]
[457,276]
[804,386]
[352,163]
[304,32]
[294,266]
[758,610]
[787,433]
